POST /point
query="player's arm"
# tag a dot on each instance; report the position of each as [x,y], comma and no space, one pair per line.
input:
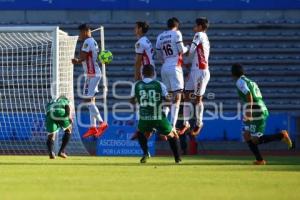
[242,86]
[159,52]
[179,42]
[138,65]
[133,99]
[139,50]
[249,106]
[196,41]
[82,57]
[83,54]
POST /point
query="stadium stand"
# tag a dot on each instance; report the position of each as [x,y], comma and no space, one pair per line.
[269,50]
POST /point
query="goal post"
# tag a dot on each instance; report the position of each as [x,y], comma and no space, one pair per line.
[103,69]
[35,66]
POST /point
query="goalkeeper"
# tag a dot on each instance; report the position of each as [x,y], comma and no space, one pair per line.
[58,117]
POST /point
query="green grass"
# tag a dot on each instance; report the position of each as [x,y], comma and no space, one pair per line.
[199,178]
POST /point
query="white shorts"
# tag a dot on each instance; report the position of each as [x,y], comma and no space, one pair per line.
[172,77]
[188,83]
[90,87]
[197,81]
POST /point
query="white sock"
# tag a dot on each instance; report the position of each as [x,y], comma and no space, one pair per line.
[186,113]
[174,114]
[93,121]
[199,114]
[95,114]
[166,110]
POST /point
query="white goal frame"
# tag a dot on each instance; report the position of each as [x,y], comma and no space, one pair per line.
[77,147]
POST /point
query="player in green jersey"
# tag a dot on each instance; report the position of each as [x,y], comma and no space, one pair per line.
[255,114]
[150,95]
[58,116]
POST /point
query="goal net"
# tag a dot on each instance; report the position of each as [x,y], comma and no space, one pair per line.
[35,66]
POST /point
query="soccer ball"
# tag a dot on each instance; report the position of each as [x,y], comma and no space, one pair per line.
[105,57]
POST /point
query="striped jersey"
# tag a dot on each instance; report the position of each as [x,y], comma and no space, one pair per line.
[144,47]
[200,51]
[90,65]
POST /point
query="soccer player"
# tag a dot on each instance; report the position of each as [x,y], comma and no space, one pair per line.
[199,75]
[143,49]
[88,59]
[256,114]
[58,116]
[144,53]
[150,95]
[170,48]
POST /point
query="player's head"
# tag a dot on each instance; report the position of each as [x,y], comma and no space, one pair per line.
[85,31]
[201,24]
[148,71]
[237,70]
[173,23]
[141,28]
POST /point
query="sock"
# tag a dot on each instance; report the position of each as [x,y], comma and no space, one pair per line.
[65,141]
[199,114]
[253,147]
[174,114]
[94,115]
[50,144]
[183,143]
[186,113]
[143,142]
[174,147]
[166,110]
[270,138]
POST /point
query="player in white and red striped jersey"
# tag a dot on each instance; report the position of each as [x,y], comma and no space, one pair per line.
[170,48]
[88,58]
[143,49]
[199,74]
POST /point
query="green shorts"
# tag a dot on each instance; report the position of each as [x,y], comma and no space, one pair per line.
[53,126]
[163,126]
[257,127]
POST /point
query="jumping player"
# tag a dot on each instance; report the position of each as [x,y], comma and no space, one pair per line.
[58,116]
[170,48]
[88,59]
[199,75]
[150,95]
[256,114]
[143,49]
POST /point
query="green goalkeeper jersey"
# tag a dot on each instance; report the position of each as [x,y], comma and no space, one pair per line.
[57,108]
[244,86]
[149,94]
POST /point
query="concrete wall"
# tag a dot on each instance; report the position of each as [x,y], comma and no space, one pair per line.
[32,16]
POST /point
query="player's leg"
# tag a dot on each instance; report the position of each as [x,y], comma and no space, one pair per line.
[201,78]
[177,85]
[187,111]
[52,128]
[250,134]
[66,125]
[164,127]
[281,136]
[88,97]
[91,88]
[144,126]
[94,111]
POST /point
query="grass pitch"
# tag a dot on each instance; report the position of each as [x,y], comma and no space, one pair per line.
[203,177]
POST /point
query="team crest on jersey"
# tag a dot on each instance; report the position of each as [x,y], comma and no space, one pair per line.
[137,45]
[196,37]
